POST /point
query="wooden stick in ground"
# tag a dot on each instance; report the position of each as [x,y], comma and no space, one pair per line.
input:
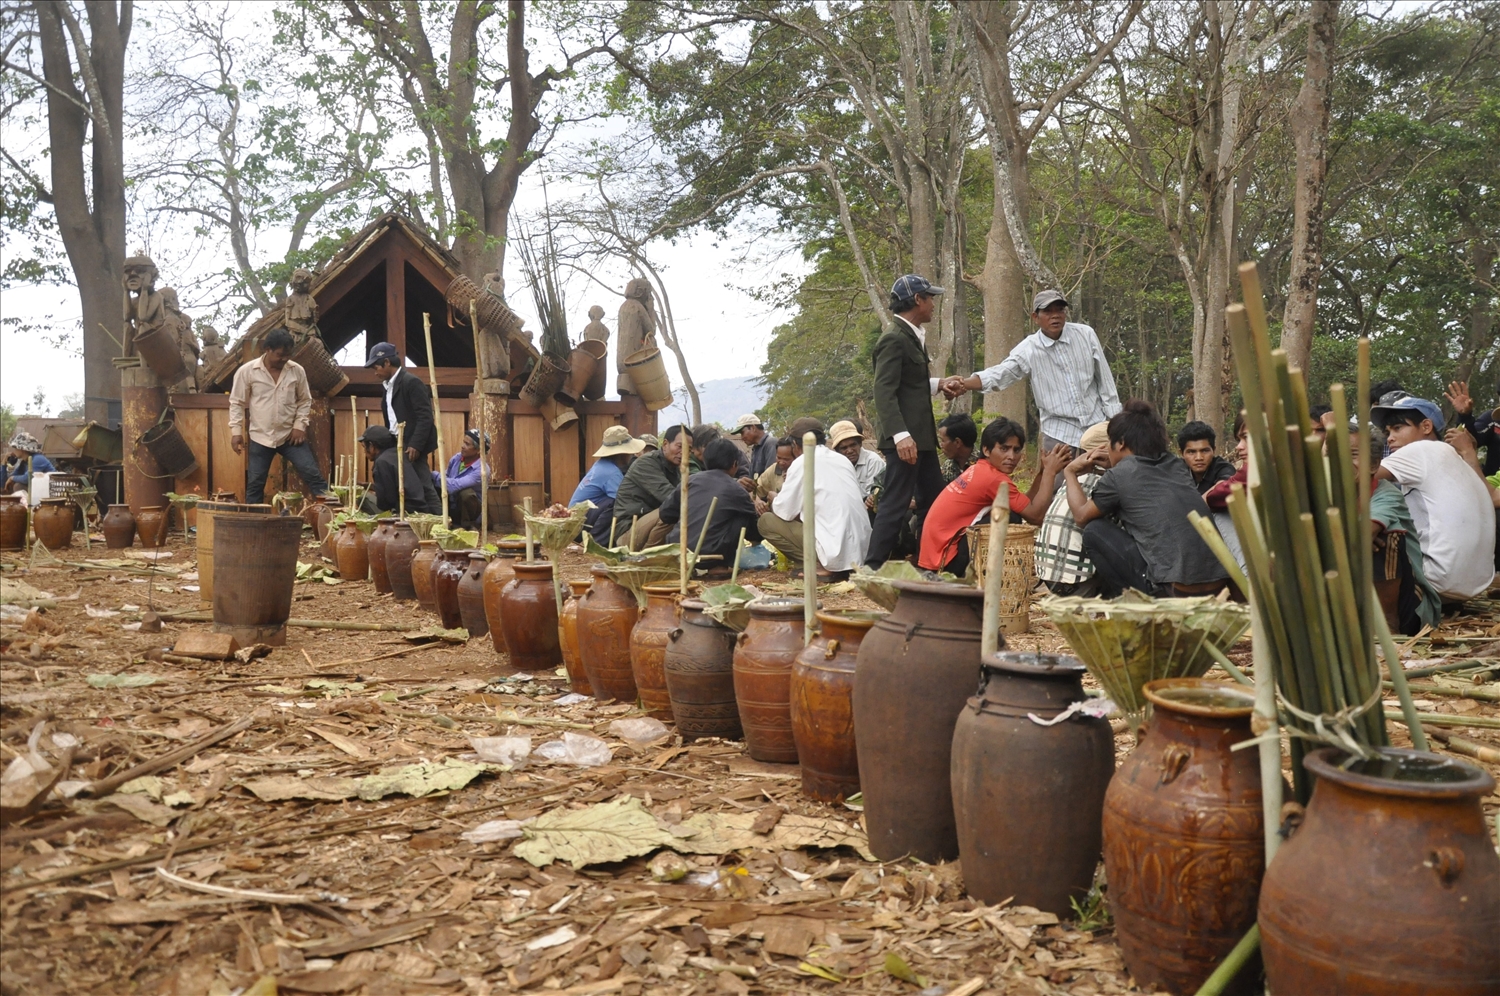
[1440,719]
[354,435]
[400,470]
[809,540]
[685,441]
[1409,713]
[1468,748]
[994,568]
[702,533]
[530,545]
[105,786]
[437,417]
[735,573]
[484,425]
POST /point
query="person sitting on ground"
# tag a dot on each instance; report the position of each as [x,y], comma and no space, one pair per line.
[1484,428]
[1195,441]
[1461,440]
[1153,547]
[602,483]
[1450,504]
[1061,564]
[968,499]
[408,402]
[956,436]
[465,482]
[771,479]
[650,441]
[24,459]
[379,444]
[760,444]
[1217,497]
[842,529]
[648,482]
[869,466]
[735,510]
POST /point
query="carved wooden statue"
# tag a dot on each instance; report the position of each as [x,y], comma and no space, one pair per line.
[489,343]
[637,327]
[596,329]
[301,307]
[212,353]
[181,328]
[143,305]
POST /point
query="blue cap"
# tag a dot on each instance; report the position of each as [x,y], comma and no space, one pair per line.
[908,287]
[383,351]
[1408,403]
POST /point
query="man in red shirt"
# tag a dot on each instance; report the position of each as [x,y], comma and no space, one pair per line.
[969,496]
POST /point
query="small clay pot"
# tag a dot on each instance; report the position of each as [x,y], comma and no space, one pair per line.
[352,553]
[399,550]
[567,633]
[53,523]
[528,611]
[448,568]
[471,595]
[151,526]
[421,573]
[379,571]
[119,527]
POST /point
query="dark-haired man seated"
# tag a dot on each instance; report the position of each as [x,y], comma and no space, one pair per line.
[956,436]
[1195,441]
[648,483]
[1154,549]
[386,481]
[735,510]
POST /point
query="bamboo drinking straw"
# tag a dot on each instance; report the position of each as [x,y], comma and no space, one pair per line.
[685,441]
[530,548]
[989,637]
[809,540]
[400,469]
[484,426]
[735,573]
[437,418]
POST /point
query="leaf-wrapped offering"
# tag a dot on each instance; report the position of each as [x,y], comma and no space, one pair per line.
[730,604]
[877,587]
[455,539]
[423,523]
[1134,639]
[557,526]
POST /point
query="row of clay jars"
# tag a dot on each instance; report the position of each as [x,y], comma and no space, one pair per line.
[648,650]
[52,521]
[699,666]
[763,657]
[319,513]
[567,635]
[607,615]
[821,694]
[471,595]
[118,526]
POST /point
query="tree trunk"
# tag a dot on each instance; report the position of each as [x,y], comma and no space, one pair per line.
[1478,355]
[1309,123]
[1002,284]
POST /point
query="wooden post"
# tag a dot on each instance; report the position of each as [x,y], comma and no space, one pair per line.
[686,439]
[989,636]
[484,421]
[530,549]
[437,415]
[809,540]
[400,470]
[354,462]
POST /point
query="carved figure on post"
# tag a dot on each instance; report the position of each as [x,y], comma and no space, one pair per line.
[181,329]
[143,304]
[596,329]
[637,328]
[490,343]
[212,353]
[301,306]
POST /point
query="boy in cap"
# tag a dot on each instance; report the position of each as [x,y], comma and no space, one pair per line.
[384,495]
[602,482]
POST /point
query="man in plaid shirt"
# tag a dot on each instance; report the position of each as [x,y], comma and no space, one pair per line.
[1060,563]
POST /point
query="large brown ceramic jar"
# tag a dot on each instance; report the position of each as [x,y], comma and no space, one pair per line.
[52,521]
[1028,797]
[567,635]
[1391,885]
[318,513]
[648,650]
[606,615]
[471,595]
[119,527]
[352,553]
[151,526]
[497,575]
[447,571]
[917,668]
[399,550]
[528,611]
[1184,835]
[13,522]
[822,704]
[699,665]
[763,657]
[379,571]
[421,573]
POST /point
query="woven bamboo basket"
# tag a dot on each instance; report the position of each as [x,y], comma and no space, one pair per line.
[1018,572]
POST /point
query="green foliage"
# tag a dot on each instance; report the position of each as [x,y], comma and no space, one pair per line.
[7,423]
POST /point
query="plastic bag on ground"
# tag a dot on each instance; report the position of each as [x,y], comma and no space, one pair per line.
[493,830]
[575,748]
[572,698]
[643,730]
[502,750]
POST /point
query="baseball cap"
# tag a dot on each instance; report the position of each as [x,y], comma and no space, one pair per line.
[382,351]
[1046,297]
[842,431]
[908,287]
[473,436]
[379,436]
[618,440]
[1405,402]
[744,422]
[651,442]
[804,425]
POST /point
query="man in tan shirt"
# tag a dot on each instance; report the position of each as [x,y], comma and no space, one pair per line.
[272,392]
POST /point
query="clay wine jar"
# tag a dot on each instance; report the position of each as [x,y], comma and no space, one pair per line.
[421,573]
[352,553]
[1391,885]
[648,650]
[471,595]
[151,526]
[822,704]
[916,670]
[607,613]
[13,523]
[399,550]
[1184,835]
[375,548]
[318,514]
[763,656]
[567,635]
[52,521]
[119,527]
[528,611]
[699,665]
[497,574]
[448,569]
[1027,797]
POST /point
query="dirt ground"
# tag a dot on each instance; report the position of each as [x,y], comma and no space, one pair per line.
[384,896]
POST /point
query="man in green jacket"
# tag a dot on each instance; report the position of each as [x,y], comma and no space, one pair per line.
[648,482]
[904,390]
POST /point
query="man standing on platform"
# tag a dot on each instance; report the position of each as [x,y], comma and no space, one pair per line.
[407,400]
[1070,377]
[903,404]
[271,403]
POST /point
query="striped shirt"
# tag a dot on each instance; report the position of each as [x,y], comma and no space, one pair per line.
[1059,541]
[1070,379]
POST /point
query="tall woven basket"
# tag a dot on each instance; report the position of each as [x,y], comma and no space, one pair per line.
[1018,572]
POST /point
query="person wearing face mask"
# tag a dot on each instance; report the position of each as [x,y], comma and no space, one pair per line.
[969,497]
[647,483]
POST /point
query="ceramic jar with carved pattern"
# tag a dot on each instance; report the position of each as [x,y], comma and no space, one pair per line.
[1184,836]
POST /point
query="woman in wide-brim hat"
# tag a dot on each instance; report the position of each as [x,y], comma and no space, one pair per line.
[602,482]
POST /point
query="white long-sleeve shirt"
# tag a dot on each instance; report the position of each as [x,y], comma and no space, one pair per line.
[842,530]
[1070,380]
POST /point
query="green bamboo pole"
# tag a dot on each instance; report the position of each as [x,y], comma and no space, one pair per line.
[809,541]
[989,636]
[1222,976]
[1398,674]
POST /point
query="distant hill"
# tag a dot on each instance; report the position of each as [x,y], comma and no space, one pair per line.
[723,401]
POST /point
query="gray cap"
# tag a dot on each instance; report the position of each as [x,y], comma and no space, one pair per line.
[1046,297]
